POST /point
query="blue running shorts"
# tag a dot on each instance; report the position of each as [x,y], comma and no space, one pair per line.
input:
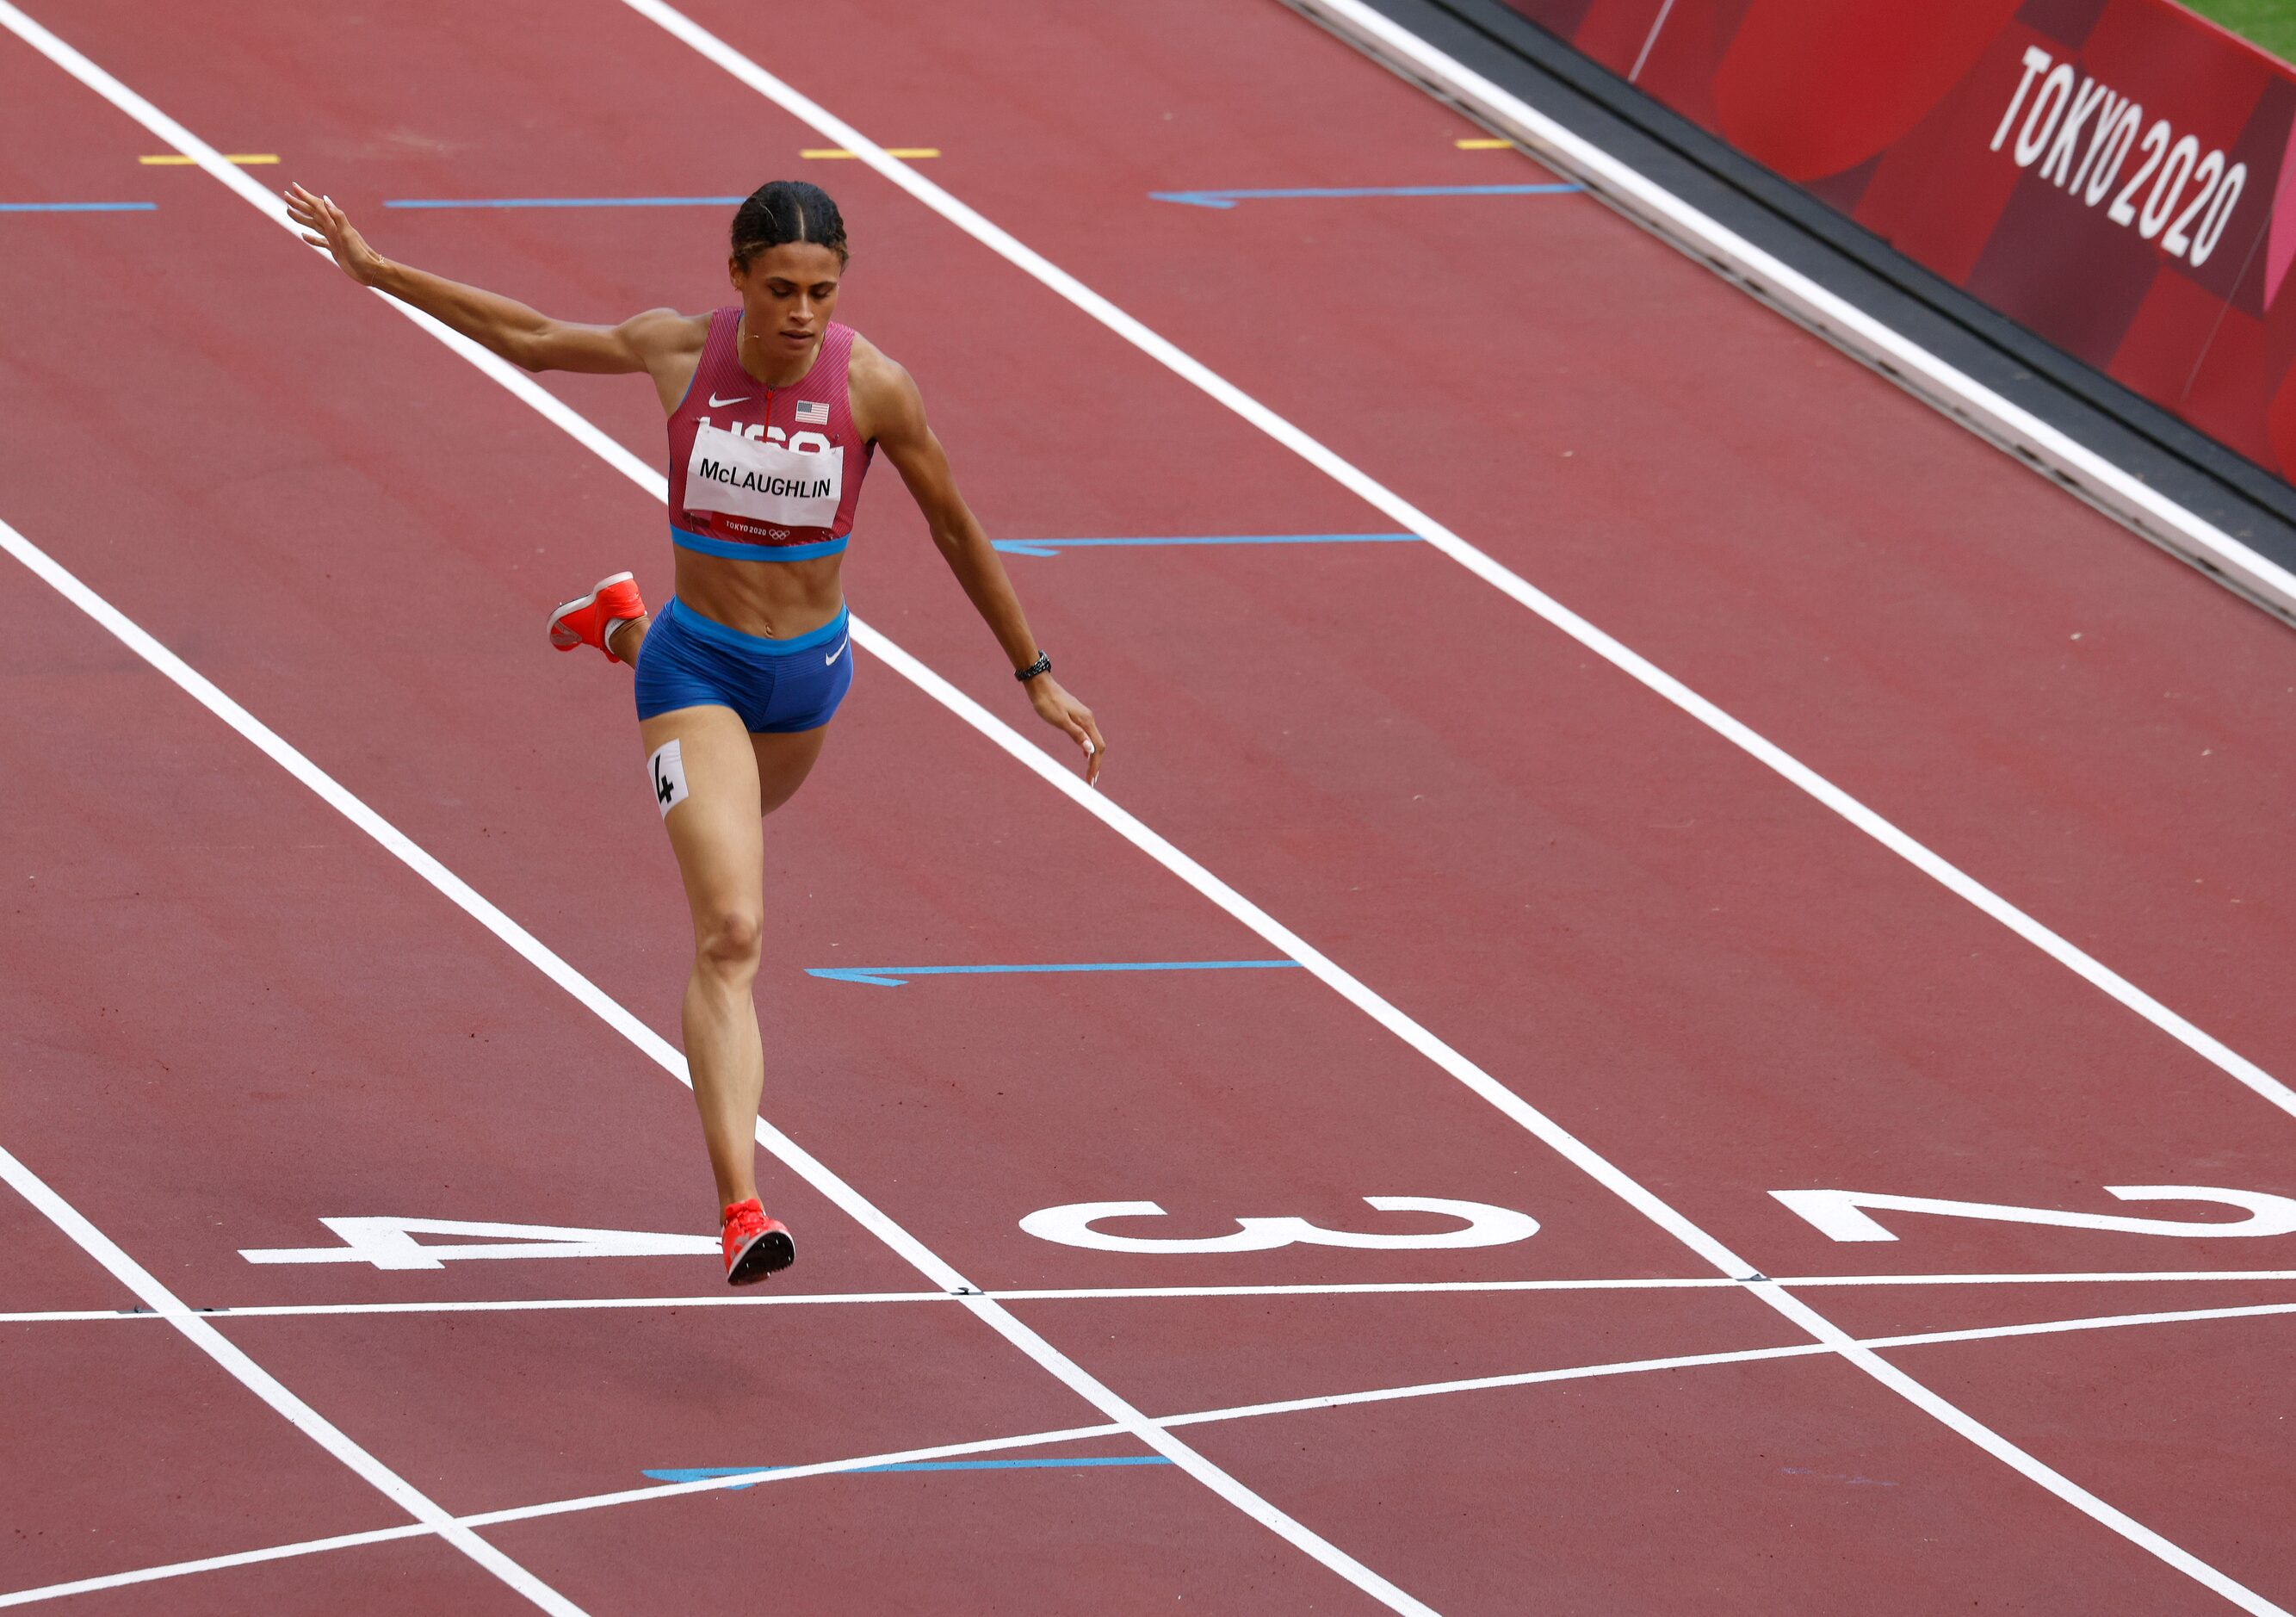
[776,686]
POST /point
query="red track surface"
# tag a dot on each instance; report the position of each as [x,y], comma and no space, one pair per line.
[227,1014]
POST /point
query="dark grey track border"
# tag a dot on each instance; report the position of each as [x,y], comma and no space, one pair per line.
[2230,492]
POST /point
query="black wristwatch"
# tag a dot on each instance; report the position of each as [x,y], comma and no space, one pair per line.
[1042,665]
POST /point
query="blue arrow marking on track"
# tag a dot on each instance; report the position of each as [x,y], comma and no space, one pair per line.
[1052,547]
[704,1473]
[78,207]
[567,202]
[894,976]
[1229,199]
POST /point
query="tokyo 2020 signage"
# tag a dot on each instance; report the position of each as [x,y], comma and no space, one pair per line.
[2114,174]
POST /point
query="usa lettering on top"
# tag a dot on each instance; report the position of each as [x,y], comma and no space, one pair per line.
[766,471]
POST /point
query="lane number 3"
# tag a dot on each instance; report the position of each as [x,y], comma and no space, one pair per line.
[1480,1225]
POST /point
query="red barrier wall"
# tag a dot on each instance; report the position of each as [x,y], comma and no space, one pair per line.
[2117,176]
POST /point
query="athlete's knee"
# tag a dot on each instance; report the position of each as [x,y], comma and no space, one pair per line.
[728,940]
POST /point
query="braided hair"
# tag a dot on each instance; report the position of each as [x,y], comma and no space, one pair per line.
[786,210]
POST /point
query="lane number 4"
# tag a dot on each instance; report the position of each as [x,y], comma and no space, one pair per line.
[391,1244]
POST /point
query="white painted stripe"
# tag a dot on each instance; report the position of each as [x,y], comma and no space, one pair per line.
[1969,1426]
[1027,258]
[739,1300]
[1649,40]
[790,1473]
[312,1546]
[505,1305]
[995,1315]
[800,1160]
[268,1387]
[209,1563]
[1490,1384]
[2100,1322]
[2152,514]
[1473,1077]
[1634,1367]
[2094,1277]
[1359,1288]
[1483,566]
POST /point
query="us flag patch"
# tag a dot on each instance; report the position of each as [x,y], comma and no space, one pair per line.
[811,412]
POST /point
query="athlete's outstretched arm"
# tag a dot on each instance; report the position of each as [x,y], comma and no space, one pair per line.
[524,337]
[896,418]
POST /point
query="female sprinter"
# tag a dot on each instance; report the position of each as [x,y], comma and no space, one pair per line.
[774,414]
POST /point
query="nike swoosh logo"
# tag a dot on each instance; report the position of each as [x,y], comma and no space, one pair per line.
[834,655]
[716,402]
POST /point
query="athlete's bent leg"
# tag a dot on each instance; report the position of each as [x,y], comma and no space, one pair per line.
[602,618]
[720,846]
[624,639]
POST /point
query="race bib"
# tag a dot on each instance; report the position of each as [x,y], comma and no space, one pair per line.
[751,477]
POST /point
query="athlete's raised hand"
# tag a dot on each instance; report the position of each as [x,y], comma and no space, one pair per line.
[324,225]
[1063,712]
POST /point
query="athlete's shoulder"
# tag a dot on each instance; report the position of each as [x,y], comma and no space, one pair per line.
[870,367]
[884,396]
[665,330]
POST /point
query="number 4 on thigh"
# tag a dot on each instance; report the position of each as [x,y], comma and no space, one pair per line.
[391,1244]
[1843,1215]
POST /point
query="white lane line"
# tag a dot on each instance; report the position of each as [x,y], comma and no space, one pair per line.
[790,1473]
[2095,1278]
[281,1311]
[1633,1367]
[1483,566]
[502,1305]
[1941,385]
[1294,1405]
[209,1563]
[203,1336]
[1649,40]
[796,1158]
[1595,1165]
[2101,1321]
[313,1546]
[803,108]
[1359,1288]
[609,1011]
[1489,1384]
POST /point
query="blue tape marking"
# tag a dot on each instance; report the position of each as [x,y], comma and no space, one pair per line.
[78,207]
[567,202]
[894,976]
[1229,199]
[1052,547]
[703,1474]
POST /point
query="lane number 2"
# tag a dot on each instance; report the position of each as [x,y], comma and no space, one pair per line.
[1480,1225]
[1846,1215]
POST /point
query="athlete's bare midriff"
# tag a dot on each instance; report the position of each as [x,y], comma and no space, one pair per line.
[774,599]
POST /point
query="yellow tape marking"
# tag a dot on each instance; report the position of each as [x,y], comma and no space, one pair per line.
[890,151]
[173,160]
